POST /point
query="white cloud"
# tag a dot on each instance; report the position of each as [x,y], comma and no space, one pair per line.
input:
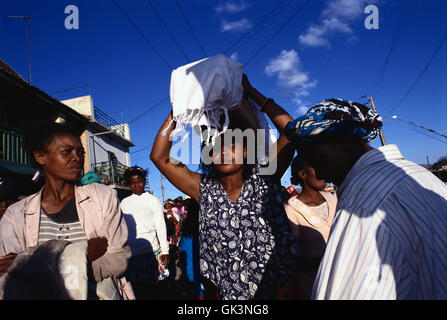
[234,56]
[232,7]
[346,9]
[301,107]
[236,26]
[316,36]
[335,18]
[301,110]
[287,67]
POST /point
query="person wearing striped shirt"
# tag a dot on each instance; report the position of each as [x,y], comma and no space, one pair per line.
[389,236]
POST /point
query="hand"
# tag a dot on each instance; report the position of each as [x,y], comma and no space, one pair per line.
[5,262]
[96,248]
[245,83]
[165,259]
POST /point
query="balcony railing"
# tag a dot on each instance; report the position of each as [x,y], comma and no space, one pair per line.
[11,148]
[106,120]
[110,172]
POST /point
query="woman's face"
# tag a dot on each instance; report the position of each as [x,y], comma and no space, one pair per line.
[63,158]
[136,184]
[230,159]
[311,179]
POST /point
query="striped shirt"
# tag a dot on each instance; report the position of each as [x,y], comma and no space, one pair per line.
[64,225]
[389,236]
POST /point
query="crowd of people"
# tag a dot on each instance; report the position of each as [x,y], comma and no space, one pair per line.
[240,234]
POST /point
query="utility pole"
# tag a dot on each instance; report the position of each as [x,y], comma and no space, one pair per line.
[162,190]
[382,137]
[27,32]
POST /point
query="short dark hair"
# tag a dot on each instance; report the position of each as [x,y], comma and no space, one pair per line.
[134,171]
[39,134]
[298,164]
[178,199]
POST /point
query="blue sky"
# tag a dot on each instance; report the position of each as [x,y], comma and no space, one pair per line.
[324,51]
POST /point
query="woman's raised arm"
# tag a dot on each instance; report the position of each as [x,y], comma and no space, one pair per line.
[280,118]
[176,172]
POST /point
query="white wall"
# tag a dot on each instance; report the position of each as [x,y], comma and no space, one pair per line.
[83,105]
[99,145]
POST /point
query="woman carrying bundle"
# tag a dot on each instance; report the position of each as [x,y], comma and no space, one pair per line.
[247,247]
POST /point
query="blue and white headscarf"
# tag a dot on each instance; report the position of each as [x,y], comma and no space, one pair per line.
[335,116]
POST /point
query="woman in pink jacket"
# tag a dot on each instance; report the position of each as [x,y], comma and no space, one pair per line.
[310,214]
[63,210]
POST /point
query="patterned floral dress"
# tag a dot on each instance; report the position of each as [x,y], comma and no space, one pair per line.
[247,248]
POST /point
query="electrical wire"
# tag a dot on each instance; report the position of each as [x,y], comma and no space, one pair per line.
[253,34]
[430,136]
[152,108]
[406,12]
[255,26]
[142,35]
[143,148]
[158,104]
[190,28]
[167,29]
[277,32]
[69,89]
[419,76]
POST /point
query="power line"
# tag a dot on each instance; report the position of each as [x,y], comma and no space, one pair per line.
[257,24]
[419,76]
[190,28]
[69,89]
[252,35]
[277,32]
[426,134]
[142,149]
[420,126]
[152,108]
[406,12]
[142,35]
[167,29]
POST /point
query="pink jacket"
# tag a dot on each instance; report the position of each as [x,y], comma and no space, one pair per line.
[310,229]
[99,214]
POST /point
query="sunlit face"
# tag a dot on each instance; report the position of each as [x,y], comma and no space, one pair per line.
[136,184]
[63,158]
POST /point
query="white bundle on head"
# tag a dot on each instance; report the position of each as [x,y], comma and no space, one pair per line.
[203,92]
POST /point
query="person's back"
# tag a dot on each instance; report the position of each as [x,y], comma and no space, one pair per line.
[389,237]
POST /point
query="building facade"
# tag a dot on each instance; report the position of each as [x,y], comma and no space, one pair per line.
[106,142]
[22,105]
